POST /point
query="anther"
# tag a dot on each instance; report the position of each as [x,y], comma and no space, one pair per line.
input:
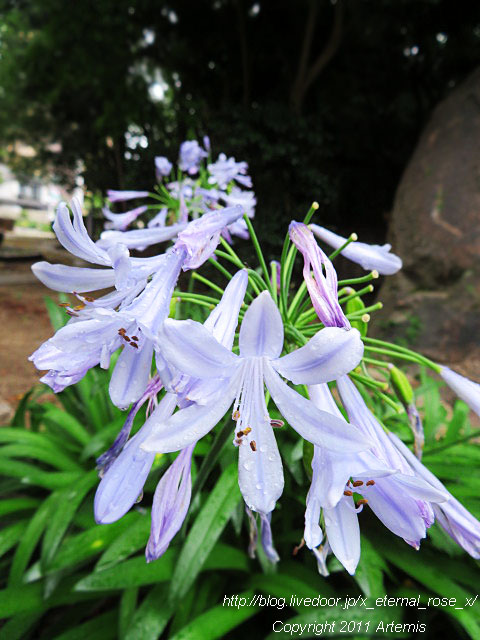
[277,424]
[240,434]
[134,344]
[246,431]
[121,331]
[89,298]
[370,483]
[362,501]
[126,338]
[348,493]
[238,441]
[79,307]
[357,483]
[236,415]
[63,304]
[135,338]
[253,445]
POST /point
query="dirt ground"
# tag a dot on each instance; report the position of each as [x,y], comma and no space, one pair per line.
[24,326]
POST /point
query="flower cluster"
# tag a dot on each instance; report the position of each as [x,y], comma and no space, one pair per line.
[197,187]
[310,353]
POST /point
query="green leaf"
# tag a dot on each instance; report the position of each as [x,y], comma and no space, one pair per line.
[217,621]
[66,423]
[16,628]
[9,536]
[133,539]
[81,547]
[128,603]
[66,504]
[152,616]
[369,573]
[205,531]
[29,541]
[17,599]
[18,419]
[30,475]
[17,504]
[130,573]
[461,412]
[102,627]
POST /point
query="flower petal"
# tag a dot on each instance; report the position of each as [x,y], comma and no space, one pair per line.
[343,533]
[187,425]
[191,348]
[61,277]
[139,238]
[316,426]
[74,236]
[131,373]
[330,354]
[123,482]
[261,333]
[467,390]
[260,472]
[223,320]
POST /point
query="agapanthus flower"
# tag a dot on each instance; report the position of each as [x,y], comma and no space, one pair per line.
[454,519]
[246,199]
[369,256]
[225,170]
[120,221]
[115,195]
[132,317]
[190,348]
[322,287]
[397,497]
[191,153]
[163,166]
[467,390]
[126,466]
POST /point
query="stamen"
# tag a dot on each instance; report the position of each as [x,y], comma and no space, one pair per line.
[357,483]
[236,415]
[246,431]
[362,501]
[134,344]
[298,547]
[79,307]
[253,445]
[370,483]
[89,298]
[126,338]
[122,331]
[277,424]
[240,434]
[348,493]
[63,304]
[135,338]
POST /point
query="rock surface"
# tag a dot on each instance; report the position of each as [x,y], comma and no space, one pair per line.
[435,227]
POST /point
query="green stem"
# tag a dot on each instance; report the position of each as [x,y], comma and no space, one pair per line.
[351,239]
[419,357]
[356,294]
[208,282]
[368,382]
[362,312]
[376,363]
[297,300]
[370,276]
[273,280]
[258,249]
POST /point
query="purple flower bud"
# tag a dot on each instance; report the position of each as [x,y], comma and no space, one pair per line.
[163,166]
[121,196]
[191,153]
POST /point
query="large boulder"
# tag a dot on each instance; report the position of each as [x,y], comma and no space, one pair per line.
[434,302]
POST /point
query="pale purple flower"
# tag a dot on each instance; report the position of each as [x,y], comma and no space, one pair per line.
[183,187]
[121,221]
[170,504]
[372,257]
[225,170]
[126,472]
[191,154]
[206,144]
[122,483]
[189,347]
[467,390]
[322,287]
[246,199]
[140,239]
[163,166]
[202,236]
[121,196]
[395,495]
[452,516]
[159,220]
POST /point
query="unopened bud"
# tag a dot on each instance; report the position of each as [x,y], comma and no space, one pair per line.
[353,237]
[356,305]
[401,385]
